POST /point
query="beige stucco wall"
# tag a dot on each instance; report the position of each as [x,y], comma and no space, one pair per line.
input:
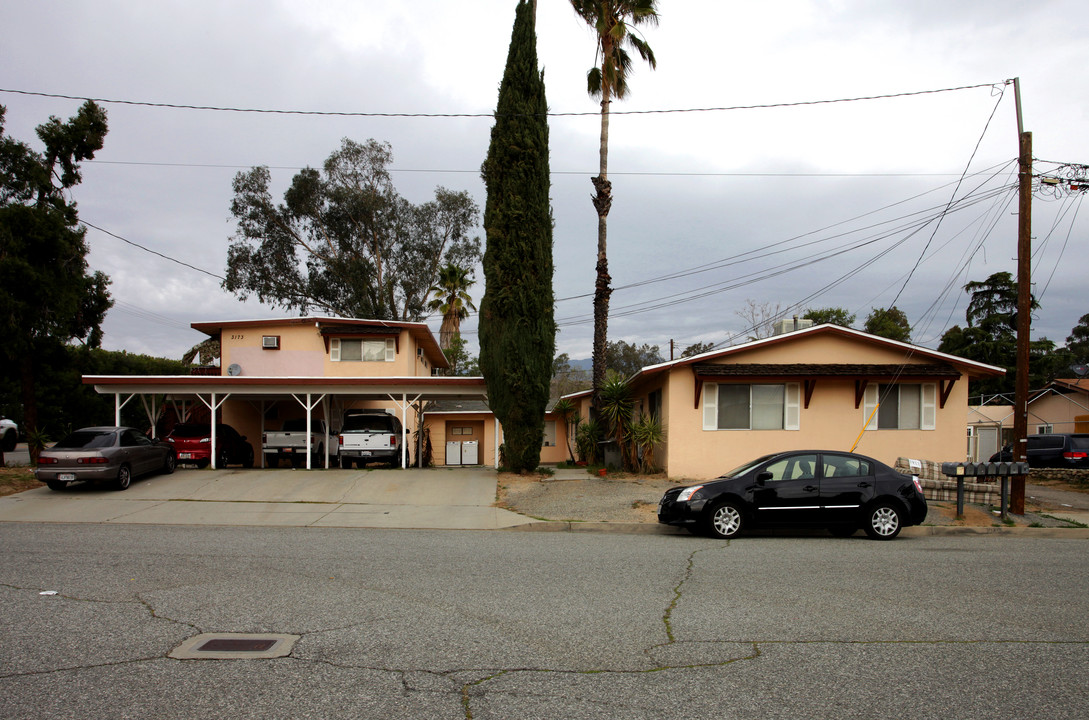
[830,422]
[1060,411]
[302,353]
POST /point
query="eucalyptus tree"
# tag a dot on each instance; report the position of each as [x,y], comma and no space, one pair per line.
[614,23]
[344,241]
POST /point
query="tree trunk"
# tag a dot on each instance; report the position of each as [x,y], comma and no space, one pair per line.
[603,200]
[30,403]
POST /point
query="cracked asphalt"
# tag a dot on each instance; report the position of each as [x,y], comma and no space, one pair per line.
[478,624]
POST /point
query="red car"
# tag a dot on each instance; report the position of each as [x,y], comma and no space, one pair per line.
[193,445]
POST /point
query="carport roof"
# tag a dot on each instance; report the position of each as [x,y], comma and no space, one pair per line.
[470,388]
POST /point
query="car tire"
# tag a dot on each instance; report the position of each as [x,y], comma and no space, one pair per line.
[124,478]
[247,459]
[883,521]
[345,463]
[9,441]
[56,485]
[169,463]
[725,520]
[318,461]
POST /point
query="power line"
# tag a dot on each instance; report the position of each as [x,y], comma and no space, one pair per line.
[595,113]
[153,252]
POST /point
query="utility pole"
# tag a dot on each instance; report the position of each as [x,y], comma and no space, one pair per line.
[1024,303]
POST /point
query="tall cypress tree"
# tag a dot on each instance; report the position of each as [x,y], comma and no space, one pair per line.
[517,324]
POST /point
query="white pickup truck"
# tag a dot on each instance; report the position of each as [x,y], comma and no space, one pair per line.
[368,436]
[289,443]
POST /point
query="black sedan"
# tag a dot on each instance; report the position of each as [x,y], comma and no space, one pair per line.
[837,490]
[113,454]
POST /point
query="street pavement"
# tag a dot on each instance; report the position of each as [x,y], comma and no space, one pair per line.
[415,624]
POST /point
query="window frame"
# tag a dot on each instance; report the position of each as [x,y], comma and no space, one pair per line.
[791,407]
[928,406]
[336,346]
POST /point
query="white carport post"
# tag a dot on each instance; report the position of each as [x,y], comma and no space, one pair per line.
[404,405]
[117,405]
[151,413]
[213,407]
[309,443]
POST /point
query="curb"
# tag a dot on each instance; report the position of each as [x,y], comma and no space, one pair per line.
[612,528]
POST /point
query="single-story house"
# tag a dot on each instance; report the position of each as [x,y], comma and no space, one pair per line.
[820,387]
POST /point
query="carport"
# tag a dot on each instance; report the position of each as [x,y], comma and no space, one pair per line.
[212,391]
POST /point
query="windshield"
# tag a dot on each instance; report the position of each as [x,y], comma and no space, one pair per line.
[85,439]
[742,469]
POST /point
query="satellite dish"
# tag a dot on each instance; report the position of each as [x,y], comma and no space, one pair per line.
[234,369]
[1080,370]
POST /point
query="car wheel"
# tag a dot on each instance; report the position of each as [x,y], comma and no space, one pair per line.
[271,461]
[169,463]
[345,463]
[56,485]
[247,459]
[725,520]
[842,531]
[883,521]
[9,441]
[319,459]
[124,478]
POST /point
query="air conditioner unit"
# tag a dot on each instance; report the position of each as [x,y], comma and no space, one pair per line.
[270,341]
[788,325]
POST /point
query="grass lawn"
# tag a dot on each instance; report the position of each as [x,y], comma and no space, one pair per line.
[17,479]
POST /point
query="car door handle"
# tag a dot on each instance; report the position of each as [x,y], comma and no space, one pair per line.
[863,484]
[810,488]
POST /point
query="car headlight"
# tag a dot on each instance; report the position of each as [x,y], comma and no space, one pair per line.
[687,493]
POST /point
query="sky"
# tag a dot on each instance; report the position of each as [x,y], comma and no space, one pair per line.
[751,192]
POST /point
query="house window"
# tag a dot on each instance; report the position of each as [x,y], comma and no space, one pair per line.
[1045,429]
[461,431]
[550,433]
[904,406]
[351,350]
[751,407]
[654,402]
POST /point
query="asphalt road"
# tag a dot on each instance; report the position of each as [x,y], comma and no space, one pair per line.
[498,624]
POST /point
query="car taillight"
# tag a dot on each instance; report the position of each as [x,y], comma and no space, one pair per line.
[918,485]
[1075,455]
[92,461]
[264,438]
[340,439]
[47,460]
[393,441]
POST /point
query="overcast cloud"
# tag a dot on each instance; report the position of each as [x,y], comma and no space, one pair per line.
[692,190]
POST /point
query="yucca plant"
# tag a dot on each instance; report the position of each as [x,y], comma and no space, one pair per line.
[644,435]
[616,412]
[568,413]
[587,437]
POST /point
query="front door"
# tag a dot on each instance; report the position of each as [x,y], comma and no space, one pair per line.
[791,493]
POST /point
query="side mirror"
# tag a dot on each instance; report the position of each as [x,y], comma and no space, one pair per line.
[762,478]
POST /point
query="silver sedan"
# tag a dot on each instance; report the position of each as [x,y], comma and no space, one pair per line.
[114,454]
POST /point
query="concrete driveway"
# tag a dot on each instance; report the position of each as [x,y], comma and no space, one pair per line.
[432,498]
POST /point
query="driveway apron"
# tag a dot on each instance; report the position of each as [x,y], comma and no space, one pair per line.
[431,498]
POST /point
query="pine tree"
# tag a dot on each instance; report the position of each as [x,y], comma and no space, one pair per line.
[517,324]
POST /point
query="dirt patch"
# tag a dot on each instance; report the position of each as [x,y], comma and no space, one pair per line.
[17,479]
[617,497]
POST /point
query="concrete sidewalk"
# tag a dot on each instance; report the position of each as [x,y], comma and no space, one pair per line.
[433,498]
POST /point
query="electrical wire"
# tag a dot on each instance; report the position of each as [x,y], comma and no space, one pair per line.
[594,113]
[153,252]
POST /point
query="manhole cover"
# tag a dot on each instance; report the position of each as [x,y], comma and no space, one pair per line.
[235,646]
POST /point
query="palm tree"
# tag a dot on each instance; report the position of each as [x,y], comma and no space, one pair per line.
[613,22]
[450,297]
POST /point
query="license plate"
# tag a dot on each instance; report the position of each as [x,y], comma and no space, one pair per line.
[365,453]
[185,456]
[66,477]
[288,450]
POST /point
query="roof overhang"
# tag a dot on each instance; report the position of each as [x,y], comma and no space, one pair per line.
[428,388]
